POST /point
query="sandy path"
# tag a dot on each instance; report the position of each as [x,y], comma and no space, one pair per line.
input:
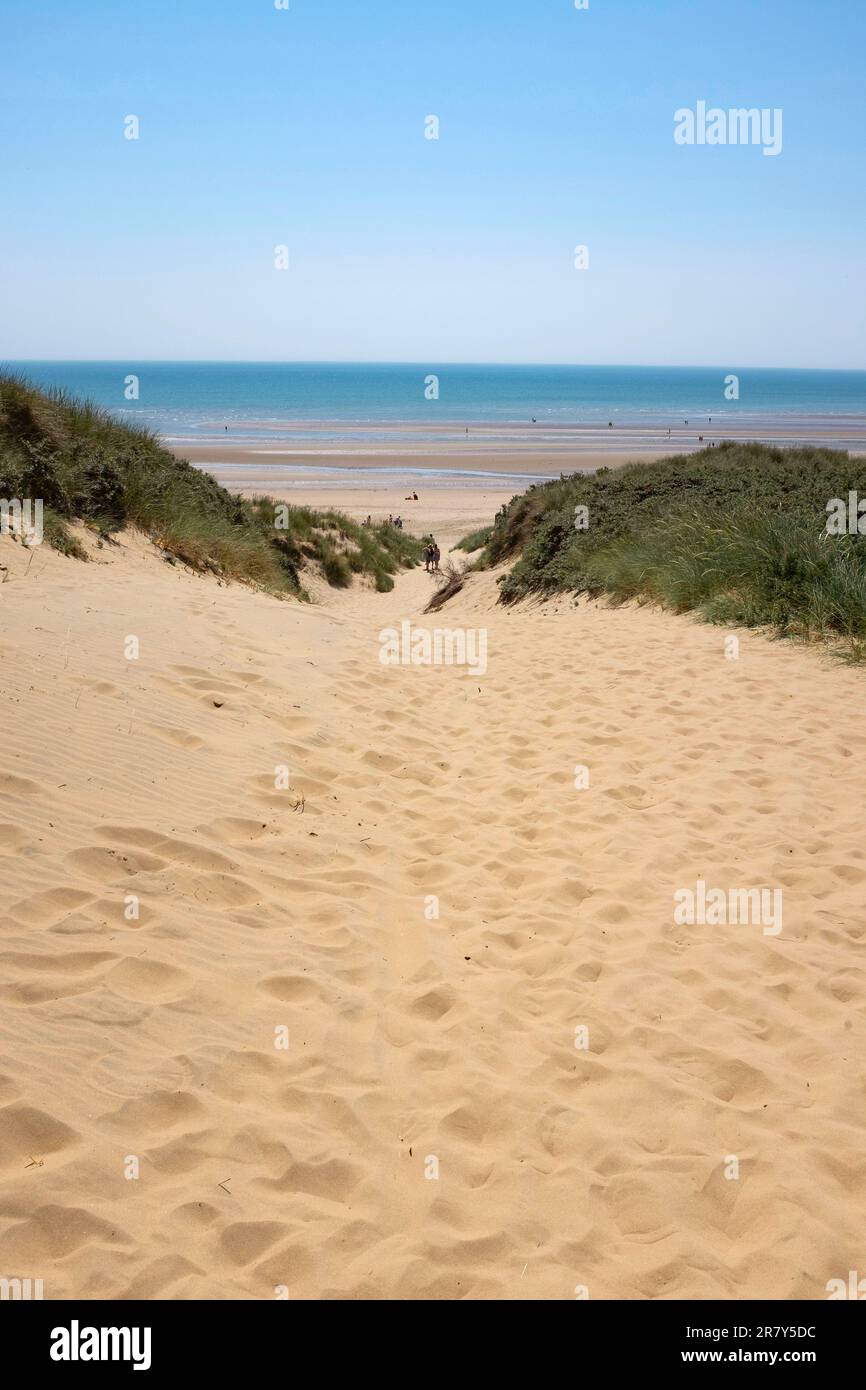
[408,1037]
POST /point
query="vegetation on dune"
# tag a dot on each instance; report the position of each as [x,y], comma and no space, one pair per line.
[476,540]
[86,466]
[737,534]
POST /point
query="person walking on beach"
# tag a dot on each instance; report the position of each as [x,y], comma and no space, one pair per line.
[436,557]
[428,557]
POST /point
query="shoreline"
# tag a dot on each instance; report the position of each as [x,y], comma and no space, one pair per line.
[479,440]
[457,493]
[519,450]
[460,488]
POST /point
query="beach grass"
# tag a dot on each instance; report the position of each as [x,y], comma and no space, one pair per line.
[476,540]
[737,534]
[86,466]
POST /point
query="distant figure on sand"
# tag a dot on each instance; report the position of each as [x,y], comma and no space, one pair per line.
[436,558]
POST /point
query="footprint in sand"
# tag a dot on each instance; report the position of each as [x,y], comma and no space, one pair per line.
[27,1133]
[12,785]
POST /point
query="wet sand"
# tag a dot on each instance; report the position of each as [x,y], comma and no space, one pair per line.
[372,469]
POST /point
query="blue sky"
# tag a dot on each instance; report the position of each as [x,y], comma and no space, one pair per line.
[262,127]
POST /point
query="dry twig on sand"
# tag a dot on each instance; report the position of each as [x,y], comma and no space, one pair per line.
[454,580]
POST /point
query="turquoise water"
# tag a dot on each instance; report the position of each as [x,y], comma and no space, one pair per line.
[258,400]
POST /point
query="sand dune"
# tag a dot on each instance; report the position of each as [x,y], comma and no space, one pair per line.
[302,901]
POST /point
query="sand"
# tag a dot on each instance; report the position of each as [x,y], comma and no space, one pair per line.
[511,444]
[460,482]
[450,514]
[152,1043]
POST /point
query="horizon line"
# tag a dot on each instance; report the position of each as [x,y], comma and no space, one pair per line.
[408,362]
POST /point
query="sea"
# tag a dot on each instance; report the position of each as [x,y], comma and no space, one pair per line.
[355,406]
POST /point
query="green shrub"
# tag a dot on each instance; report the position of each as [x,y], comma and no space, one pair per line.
[84,464]
[476,540]
[737,533]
